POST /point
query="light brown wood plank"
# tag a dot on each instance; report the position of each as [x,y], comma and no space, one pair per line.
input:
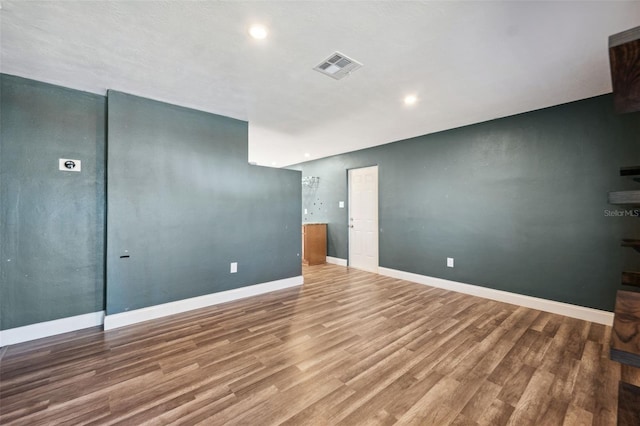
[348,348]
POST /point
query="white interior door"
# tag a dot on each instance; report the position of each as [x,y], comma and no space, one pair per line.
[363,218]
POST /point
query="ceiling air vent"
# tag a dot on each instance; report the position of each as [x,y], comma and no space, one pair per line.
[338,66]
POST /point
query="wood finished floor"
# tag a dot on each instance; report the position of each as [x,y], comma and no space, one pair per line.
[347,348]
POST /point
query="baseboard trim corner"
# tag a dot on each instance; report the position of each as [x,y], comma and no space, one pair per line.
[561,308]
[158,311]
[39,330]
[336,261]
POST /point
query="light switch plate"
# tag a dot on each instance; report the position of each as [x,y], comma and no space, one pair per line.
[234,267]
[69,165]
[341,204]
[450,262]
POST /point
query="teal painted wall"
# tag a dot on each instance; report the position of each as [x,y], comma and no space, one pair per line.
[182,199]
[519,202]
[51,222]
[183,203]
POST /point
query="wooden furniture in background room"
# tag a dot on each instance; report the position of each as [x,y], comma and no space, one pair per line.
[314,243]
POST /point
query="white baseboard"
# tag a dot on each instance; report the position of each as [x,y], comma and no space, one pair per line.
[566,309]
[78,322]
[336,261]
[50,328]
[157,311]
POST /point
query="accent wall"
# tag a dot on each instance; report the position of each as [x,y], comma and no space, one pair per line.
[51,221]
[519,202]
[183,203]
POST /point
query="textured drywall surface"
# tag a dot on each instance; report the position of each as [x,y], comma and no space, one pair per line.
[51,222]
[184,204]
[520,203]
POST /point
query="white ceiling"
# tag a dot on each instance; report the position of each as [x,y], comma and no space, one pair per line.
[467,61]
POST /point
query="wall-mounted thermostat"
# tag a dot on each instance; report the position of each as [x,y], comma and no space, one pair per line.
[69,165]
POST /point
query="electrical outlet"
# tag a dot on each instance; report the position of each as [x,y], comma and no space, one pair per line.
[341,204]
[450,262]
[234,267]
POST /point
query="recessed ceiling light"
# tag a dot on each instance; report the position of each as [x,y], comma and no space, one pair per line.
[273,163]
[410,99]
[259,32]
[306,154]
